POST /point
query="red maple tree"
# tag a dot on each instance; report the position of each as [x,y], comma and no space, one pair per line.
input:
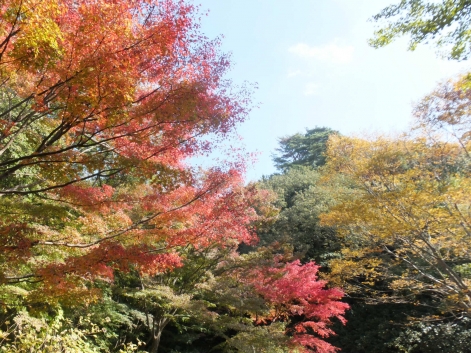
[298,297]
[102,103]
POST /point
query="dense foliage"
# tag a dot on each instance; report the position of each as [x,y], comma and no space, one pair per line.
[300,200]
[303,149]
[111,242]
[387,217]
[108,238]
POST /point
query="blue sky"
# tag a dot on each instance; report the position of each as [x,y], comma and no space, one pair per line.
[314,67]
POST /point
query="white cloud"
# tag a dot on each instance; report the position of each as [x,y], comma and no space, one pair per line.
[333,52]
[293,73]
[311,89]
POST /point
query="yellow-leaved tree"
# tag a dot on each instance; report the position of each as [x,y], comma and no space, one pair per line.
[408,221]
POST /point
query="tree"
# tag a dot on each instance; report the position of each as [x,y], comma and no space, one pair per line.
[305,150]
[408,223]
[294,291]
[300,199]
[101,102]
[445,22]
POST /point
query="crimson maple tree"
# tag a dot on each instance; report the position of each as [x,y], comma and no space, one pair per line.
[102,102]
[294,291]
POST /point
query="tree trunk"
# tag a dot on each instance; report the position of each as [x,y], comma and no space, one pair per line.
[155,342]
[159,326]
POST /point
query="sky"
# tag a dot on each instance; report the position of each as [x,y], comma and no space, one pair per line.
[313,67]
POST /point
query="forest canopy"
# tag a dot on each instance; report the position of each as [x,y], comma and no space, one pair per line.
[111,240]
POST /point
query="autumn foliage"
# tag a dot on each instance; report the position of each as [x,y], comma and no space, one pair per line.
[406,221]
[102,103]
[294,291]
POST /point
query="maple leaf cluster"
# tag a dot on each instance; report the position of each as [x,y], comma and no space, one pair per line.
[294,290]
